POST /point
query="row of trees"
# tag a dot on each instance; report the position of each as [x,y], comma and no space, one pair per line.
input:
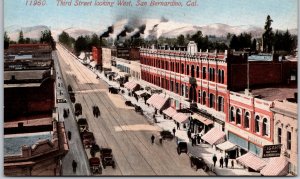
[46,37]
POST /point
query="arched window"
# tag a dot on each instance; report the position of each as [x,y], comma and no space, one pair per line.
[187,70]
[204,98]
[247,120]
[265,127]
[219,76]
[232,116]
[182,68]
[220,103]
[213,74]
[257,118]
[211,100]
[197,72]
[222,80]
[238,116]
[203,72]
[210,73]
[193,71]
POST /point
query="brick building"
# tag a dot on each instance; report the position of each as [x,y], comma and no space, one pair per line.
[34,50]
[34,142]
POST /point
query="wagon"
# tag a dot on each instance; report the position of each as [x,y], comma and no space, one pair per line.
[95,165]
[88,139]
[166,135]
[107,157]
[82,124]
[198,162]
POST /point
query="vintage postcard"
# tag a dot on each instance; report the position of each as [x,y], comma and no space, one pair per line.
[150,88]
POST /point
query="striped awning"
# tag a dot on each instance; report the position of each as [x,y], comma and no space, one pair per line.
[130,85]
[251,161]
[157,100]
[202,119]
[277,166]
[214,136]
[140,92]
[226,146]
[170,112]
[181,117]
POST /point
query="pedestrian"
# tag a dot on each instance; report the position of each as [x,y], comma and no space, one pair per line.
[178,125]
[214,159]
[160,140]
[232,163]
[226,161]
[68,111]
[152,139]
[74,166]
[198,138]
[189,134]
[174,131]
[69,135]
[221,162]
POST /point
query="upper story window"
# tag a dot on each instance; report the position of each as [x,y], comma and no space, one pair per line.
[204,98]
[238,116]
[187,70]
[220,103]
[257,118]
[289,140]
[193,71]
[247,120]
[204,72]
[197,72]
[211,100]
[279,133]
[182,68]
[265,127]
[232,114]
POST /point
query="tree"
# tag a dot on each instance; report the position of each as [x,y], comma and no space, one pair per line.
[46,37]
[80,44]
[253,45]
[65,39]
[6,41]
[21,38]
[27,40]
[181,40]
[268,35]
[234,42]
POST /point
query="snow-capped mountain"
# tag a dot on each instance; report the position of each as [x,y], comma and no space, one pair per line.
[154,29]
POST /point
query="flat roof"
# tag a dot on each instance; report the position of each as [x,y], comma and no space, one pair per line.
[271,94]
[13,143]
[30,121]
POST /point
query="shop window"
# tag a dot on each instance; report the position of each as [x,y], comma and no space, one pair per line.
[279,133]
[257,118]
[197,72]
[199,96]
[177,88]
[238,116]
[265,127]
[247,120]
[211,100]
[204,98]
[288,140]
[186,91]
[172,86]
[204,72]
[182,68]
[232,116]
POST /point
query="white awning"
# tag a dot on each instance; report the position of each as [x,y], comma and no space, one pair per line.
[277,166]
[214,136]
[202,119]
[140,92]
[252,161]
[180,117]
[157,101]
[226,146]
[170,112]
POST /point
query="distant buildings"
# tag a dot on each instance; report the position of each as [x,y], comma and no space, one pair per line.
[34,140]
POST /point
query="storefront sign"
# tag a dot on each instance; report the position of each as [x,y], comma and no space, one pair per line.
[271,151]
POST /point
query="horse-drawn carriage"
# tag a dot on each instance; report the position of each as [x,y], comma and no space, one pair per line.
[198,162]
[82,124]
[95,165]
[107,157]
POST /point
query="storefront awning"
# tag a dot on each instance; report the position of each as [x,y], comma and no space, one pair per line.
[226,146]
[130,85]
[170,112]
[157,100]
[277,166]
[251,161]
[202,119]
[140,92]
[180,117]
[214,136]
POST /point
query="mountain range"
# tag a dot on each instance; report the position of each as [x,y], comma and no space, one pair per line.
[154,28]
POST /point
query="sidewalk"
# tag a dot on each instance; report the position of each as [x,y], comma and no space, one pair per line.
[202,150]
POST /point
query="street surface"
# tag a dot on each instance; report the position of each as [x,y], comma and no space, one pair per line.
[119,127]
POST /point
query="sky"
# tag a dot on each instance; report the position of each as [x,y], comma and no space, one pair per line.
[232,12]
